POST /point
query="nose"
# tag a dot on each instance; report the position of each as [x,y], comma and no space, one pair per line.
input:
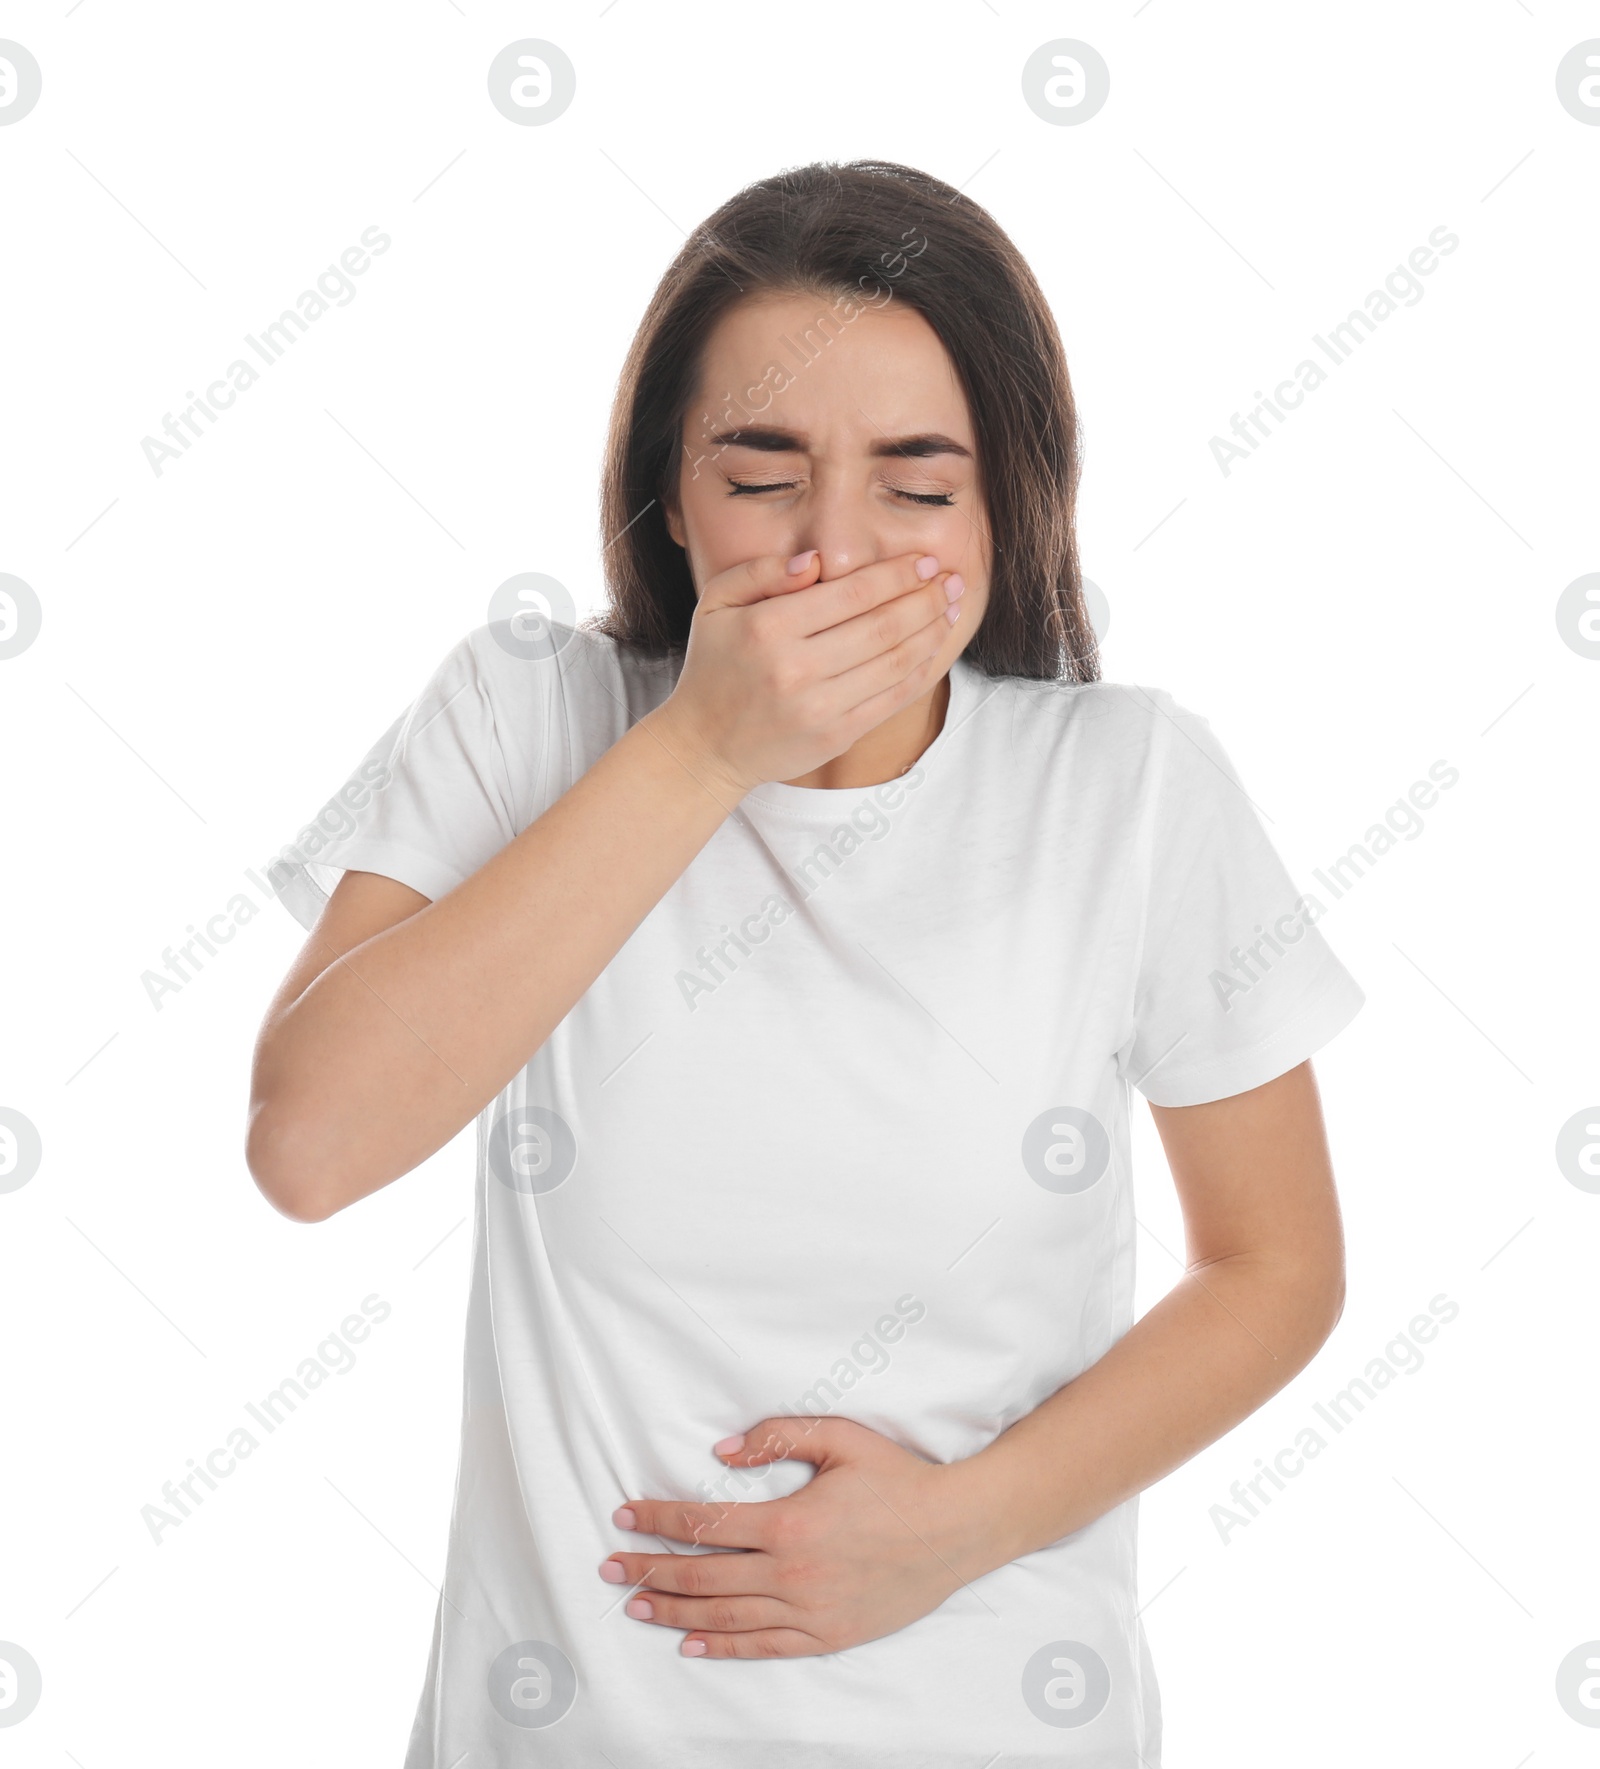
[838,520]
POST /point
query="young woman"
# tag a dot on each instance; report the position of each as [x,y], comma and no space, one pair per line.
[796,931]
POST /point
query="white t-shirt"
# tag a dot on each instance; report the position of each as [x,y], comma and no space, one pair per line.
[841,1129]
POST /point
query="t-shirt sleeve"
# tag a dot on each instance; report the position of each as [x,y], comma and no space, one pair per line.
[1234,982]
[428,804]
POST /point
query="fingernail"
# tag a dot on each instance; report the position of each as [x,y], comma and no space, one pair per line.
[641,1609]
[954,584]
[614,1572]
[623,1518]
[953,613]
[926,566]
[693,1649]
[730,1446]
[801,560]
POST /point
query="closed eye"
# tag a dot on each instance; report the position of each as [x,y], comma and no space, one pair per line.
[735,489]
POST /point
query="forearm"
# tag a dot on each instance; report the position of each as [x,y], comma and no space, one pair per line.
[403,1040]
[1225,1338]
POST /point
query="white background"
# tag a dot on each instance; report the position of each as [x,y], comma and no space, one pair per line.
[1372,591]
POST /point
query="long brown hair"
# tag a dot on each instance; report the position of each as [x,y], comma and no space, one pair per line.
[836,231]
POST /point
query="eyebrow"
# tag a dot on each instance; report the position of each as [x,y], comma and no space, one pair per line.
[769,439]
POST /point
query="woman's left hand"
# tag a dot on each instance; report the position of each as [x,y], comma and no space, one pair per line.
[876,1538]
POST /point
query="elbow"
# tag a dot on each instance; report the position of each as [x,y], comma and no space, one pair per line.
[1305,1298]
[1322,1293]
[1331,1289]
[282,1167]
[1336,1310]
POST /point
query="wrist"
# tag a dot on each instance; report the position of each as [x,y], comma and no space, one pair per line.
[974,1520]
[692,750]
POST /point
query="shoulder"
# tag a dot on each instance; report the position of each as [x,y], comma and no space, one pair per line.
[1118,726]
[556,666]
[510,661]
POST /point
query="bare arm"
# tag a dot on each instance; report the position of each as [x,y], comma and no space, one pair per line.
[880,1537]
[1263,1288]
[401,1019]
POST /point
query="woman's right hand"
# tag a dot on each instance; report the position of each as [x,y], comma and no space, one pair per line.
[783,673]
[403,1017]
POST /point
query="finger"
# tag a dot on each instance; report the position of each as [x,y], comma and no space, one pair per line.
[760,1643]
[860,698]
[718,1615]
[693,1575]
[825,604]
[755,579]
[717,1526]
[797,1438]
[780,1439]
[863,637]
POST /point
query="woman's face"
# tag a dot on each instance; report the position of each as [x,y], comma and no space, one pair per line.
[864,452]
